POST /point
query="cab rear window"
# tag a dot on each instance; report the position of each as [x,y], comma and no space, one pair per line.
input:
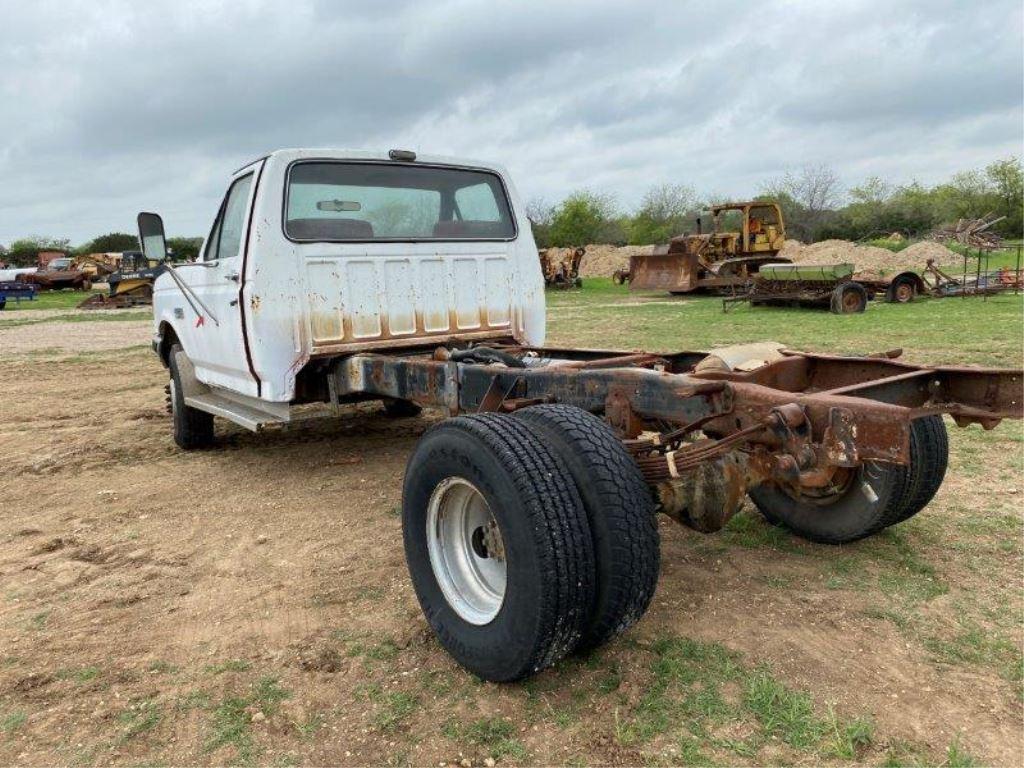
[333,201]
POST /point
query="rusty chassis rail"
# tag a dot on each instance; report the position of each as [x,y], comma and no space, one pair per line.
[865,403]
[703,435]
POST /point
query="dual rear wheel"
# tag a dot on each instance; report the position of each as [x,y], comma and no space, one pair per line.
[866,500]
[527,537]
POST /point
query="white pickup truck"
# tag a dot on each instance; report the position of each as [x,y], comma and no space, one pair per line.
[331,277]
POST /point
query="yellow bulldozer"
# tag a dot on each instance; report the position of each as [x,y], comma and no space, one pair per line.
[743,237]
[130,286]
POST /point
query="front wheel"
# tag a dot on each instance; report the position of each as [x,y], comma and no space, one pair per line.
[498,546]
[192,428]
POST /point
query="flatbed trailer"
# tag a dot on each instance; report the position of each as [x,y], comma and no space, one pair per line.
[17,290]
[528,515]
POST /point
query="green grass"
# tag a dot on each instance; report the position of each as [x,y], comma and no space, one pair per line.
[972,644]
[231,726]
[231,721]
[604,315]
[783,713]
[956,757]
[696,688]
[307,728]
[78,317]
[750,530]
[494,735]
[81,675]
[393,708]
[140,717]
[232,665]
[50,300]
[12,721]
[848,740]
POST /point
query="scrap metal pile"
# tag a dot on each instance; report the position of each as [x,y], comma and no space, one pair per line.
[974,233]
[561,266]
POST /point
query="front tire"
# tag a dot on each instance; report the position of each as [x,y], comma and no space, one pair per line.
[484,488]
[192,428]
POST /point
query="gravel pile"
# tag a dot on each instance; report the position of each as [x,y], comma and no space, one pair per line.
[603,260]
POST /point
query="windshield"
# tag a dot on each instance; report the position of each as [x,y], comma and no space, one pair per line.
[360,202]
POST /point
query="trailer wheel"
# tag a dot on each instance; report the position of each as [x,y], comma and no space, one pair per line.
[401,409]
[497,545]
[918,482]
[849,298]
[192,428]
[620,512]
[901,291]
[854,508]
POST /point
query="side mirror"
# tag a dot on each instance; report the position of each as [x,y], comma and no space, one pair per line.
[151,237]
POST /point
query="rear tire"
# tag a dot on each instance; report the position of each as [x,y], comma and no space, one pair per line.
[848,298]
[620,512]
[918,482]
[542,535]
[855,512]
[192,428]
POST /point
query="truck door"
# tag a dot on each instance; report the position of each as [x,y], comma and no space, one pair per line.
[216,343]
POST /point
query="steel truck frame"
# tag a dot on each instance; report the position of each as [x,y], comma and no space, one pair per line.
[803,415]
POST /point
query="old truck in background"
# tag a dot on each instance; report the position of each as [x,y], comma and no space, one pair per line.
[331,277]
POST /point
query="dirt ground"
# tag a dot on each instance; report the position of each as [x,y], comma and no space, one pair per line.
[250,604]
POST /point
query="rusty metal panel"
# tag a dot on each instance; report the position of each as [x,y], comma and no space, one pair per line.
[398,279]
[465,286]
[497,298]
[674,272]
[356,300]
[324,304]
[361,300]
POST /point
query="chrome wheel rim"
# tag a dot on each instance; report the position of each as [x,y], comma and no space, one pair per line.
[466,550]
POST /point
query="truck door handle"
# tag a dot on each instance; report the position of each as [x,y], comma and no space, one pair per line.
[231,276]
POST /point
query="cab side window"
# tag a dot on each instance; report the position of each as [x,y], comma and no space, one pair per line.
[226,237]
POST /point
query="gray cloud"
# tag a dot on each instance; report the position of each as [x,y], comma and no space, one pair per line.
[110,107]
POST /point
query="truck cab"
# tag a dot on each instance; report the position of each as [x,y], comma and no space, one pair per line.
[316,254]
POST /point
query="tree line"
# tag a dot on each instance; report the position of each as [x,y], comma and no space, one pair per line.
[814,204]
[813,201]
[24,252]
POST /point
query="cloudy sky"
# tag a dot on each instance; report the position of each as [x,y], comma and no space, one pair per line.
[107,108]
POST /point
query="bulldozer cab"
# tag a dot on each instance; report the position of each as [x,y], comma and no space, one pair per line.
[750,228]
